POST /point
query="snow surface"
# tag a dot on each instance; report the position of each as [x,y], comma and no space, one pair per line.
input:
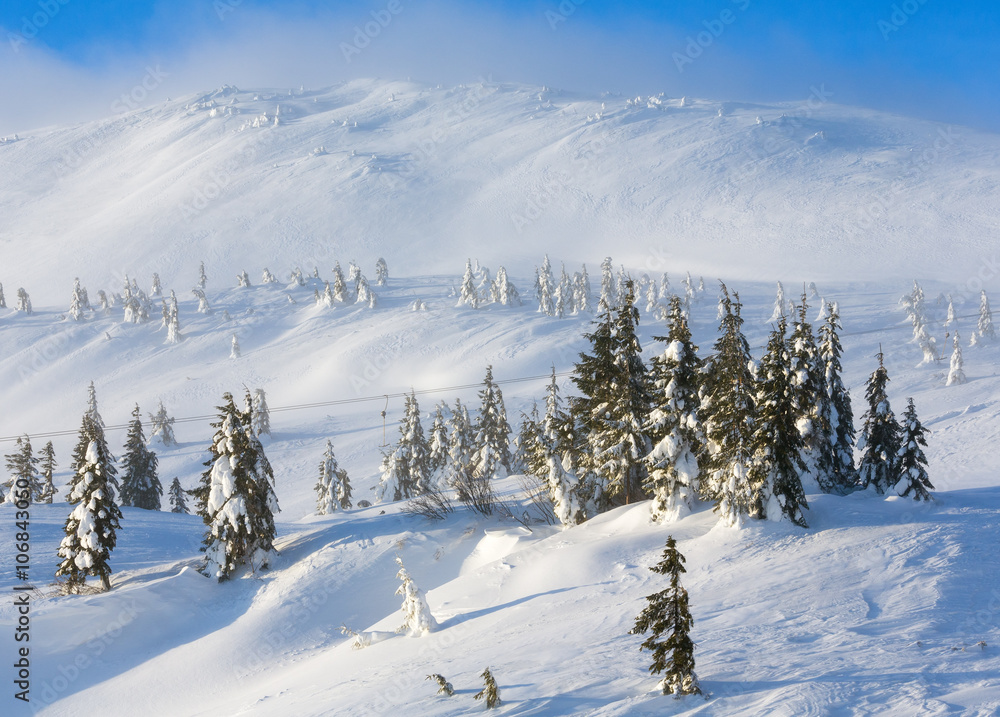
[876,608]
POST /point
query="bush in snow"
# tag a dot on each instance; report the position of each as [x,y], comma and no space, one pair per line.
[490,693]
[667,615]
[417,615]
[444,687]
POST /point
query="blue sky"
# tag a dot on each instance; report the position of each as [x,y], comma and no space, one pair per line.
[65,60]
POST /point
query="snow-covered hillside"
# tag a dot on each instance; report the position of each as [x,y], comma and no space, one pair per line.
[241,178]
[876,608]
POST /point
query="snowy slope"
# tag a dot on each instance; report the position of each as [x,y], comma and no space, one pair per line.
[788,621]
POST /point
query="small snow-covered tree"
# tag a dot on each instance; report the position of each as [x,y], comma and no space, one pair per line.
[92,413]
[582,297]
[405,469]
[444,687]
[178,497]
[203,307]
[546,288]
[79,303]
[46,471]
[609,295]
[468,296]
[173,321]
[234,349]
[667,617]
[490,694]
[24,478]
[913,476]
[23,302]
[806,376]
[333,489]
[835,463]
[90,529]
[381,272]
[140,486]
[674,427]
[879,441]
[492,431]
[162,427]
[202,279]
[437,446]
[779,305]
[461,442]
[503,292]
[563,297]
[951,317]
[3,300]
[340,291]
[956,371]
[984,326]
[260,414]
[156,289]
[235,497]
[267,277]
[365,293]
[244,280]
[417,617]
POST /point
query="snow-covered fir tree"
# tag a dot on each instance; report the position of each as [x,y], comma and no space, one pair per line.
[956,371]
[913,478]
[461,442]
[79,302]
[340,291]
[173,321]
[202,278]
[140,486]
[546,288]
[437,446]
[3,299]
[729,416]
[243,280]
[24,481]
[203,307]
[485,285]
[417,617]
[778,445]
[527,442]
[178,497]
[616,434]
[490,694]
[236,497]
[46,471]
[555,460]
[984,326]
[835,460]
[667,617]
[381,272]
[234,348]
[260,414]
[406,468]
[23,302]
[333,489]
[90,529]
[689,291]
[492,431]
[503,292]
[92,413]
[674,426]
[879,442]
[364,293]
[161,427]
[468,296]
[951,318]
[807,379]
[779,305]
[444,687]
[353,277]
[156,289]
[267,277]
[582,295]
[563,297]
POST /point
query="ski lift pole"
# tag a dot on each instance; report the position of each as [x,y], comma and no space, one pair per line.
[384,442]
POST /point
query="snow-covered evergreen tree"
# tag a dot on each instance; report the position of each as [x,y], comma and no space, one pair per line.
[674,426]
[879,442]
[835,460]
[617,437]
[173,321]
[161,427]
[92,413]
[178,497]
[503,292]
[956,371]
[381,272]
[582,296]
[492,432]
[260,414]
[417,617]
[333,489]
[267,277]
[236,497]
[91,527]
[156,289]
[729,417]
[553,458]
[563,297]
[203,307]
[778,445]
[79,303]
[807,379]
[46,471]
[984,326]
[461,442]
[234,348]
[364,292]
[23,302]
[444,687]
[406,469]
[243,280]
[468,295]
[437,446]
[140,486]
[546,288]
[202,279]
[779,305]
[951,317]
[22,465]
[667,617]
[3,299]
[490,694]
[912,462]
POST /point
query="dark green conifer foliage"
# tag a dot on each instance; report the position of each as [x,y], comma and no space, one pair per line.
[490,692]
[880,440]
[674,425]
[835,465]
[140,485]
[22,465]
[730,420]
[807,382]
[46,469]
[492,430]
[777,443]
[178,501]
[668,620]
[912,462]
